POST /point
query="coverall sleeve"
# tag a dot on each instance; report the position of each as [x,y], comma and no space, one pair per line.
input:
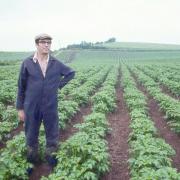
[21,88]
[68,74]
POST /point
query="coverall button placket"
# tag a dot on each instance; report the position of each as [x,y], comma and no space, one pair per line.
[44,97]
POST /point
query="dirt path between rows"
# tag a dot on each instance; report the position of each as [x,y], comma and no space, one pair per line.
[167,91]
[117,140]
[163,88]
[164,130]
[43,169]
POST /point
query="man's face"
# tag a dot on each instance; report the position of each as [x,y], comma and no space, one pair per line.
[43,46]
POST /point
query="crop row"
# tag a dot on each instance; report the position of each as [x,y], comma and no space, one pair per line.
[168,104]
[67,108]
[8,84]
[17,148]
[8,121]
[160,76]
[82,75]
[84,155]
[172,71]
[79,95]
[150,155]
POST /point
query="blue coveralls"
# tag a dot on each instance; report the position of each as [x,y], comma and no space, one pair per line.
[37,95]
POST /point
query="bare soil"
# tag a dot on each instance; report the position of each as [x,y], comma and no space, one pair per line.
[117,141]
[164,130]
[168,92]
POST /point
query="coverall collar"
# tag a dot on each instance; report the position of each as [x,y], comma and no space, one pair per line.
[35,57]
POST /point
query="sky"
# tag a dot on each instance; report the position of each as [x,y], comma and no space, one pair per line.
[73,21]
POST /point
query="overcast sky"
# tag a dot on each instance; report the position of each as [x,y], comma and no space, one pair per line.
[71,21]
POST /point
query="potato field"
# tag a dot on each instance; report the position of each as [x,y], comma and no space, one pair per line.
[119,117]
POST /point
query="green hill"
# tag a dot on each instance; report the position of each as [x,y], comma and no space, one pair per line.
[140,46]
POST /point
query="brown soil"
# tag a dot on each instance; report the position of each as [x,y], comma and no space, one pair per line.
[43,169]
[117,141]
[168,92]
[164,130]
[165,89]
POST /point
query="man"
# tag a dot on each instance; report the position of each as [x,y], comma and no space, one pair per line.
[40,77]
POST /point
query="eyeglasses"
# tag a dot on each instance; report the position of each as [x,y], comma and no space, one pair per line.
[45,42]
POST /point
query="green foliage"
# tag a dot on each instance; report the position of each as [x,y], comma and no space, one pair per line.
[162,173]
[142,126]
[95,123]
[66,111]
[2,109]
[81,95]
[149,154]
[83,156]
[9,121]
[169,105]
[104,101]
[13,162]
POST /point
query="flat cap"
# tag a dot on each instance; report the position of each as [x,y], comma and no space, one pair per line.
[42,36]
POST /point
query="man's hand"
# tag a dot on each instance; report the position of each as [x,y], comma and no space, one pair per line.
[21,115]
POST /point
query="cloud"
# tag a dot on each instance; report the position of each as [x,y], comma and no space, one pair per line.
[91,20]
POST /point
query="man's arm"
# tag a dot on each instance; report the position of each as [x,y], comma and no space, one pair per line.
[66,79]
[68,74]
[21,88]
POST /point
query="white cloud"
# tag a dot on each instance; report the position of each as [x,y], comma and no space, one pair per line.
[91,20]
